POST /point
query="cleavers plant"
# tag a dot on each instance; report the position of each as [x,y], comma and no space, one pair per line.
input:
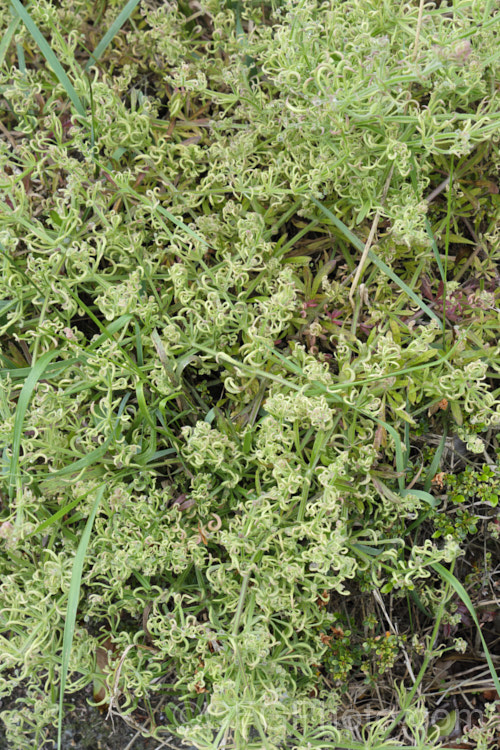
[180,356]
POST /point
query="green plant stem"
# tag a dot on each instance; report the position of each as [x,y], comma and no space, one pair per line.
[427,659]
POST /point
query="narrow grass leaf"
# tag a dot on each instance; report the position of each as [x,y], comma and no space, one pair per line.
[34,376]
[422,495]
[400,463]
[82,463]
[54,517]
[413,594]
[407,436]
[73,598]
[161,454]
[379,263]
[143,407]
[7,38]
[112,32]
[93,457]
[49,55]
[404,287]
[464,596]
[178,222]
[22,373]
[340,225]
[138,344]
[115,326]
[21,60]
[436,461]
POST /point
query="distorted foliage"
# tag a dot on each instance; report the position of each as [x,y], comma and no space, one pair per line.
[258,437]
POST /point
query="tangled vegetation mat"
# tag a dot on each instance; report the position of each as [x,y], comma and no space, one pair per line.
[249,357]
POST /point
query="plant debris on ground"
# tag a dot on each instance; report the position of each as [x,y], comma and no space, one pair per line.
[249,356]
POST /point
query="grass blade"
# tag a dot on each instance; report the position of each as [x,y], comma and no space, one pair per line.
[22,404]
[340,225]
[112,32]
[49,55]
[464,596]
[435,249]
[404,287]
[7,38]
[21,60]
[422,495]
[436,461]
[73,598]
[379,263]
[56,368]
[93,457]
[54,517]
[82,463]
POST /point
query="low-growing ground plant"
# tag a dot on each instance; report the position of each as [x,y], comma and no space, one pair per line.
[249,323]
